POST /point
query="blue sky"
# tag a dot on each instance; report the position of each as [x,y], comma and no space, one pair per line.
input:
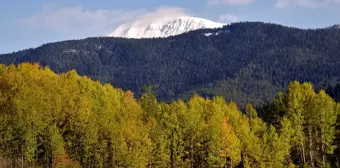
[26,24]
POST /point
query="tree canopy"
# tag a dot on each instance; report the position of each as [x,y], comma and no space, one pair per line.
[67,120]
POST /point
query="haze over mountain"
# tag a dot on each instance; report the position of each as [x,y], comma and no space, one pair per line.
[163,27]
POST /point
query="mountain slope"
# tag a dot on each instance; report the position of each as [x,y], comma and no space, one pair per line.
[163,27]
[245,62]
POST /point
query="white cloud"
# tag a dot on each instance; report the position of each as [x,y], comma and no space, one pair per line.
[230,2]
[68,19]
[305,3]
[161,13]
[77,20]
[227,18]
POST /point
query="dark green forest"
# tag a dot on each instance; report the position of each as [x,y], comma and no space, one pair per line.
[70,121]
[244,62]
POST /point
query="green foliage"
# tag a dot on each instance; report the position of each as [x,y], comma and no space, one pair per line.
[309,122]
[49,118]
[66,120]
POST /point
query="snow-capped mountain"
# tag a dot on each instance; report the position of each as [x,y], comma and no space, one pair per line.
[162,27]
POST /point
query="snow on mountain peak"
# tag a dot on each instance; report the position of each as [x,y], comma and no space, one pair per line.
[163,27]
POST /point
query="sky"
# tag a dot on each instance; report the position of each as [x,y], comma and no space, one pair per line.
[31,23]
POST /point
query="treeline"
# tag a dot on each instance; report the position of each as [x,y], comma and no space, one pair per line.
[244,62]
[66,120]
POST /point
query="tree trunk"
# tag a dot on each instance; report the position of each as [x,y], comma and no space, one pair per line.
[243,162]
[300,154]
[323,153]
[303,159]
[191,153]
[310,147]
[303,154]
[172,157]
[228,163]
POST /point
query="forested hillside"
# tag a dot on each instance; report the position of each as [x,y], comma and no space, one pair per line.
[65,120]
[244,62]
